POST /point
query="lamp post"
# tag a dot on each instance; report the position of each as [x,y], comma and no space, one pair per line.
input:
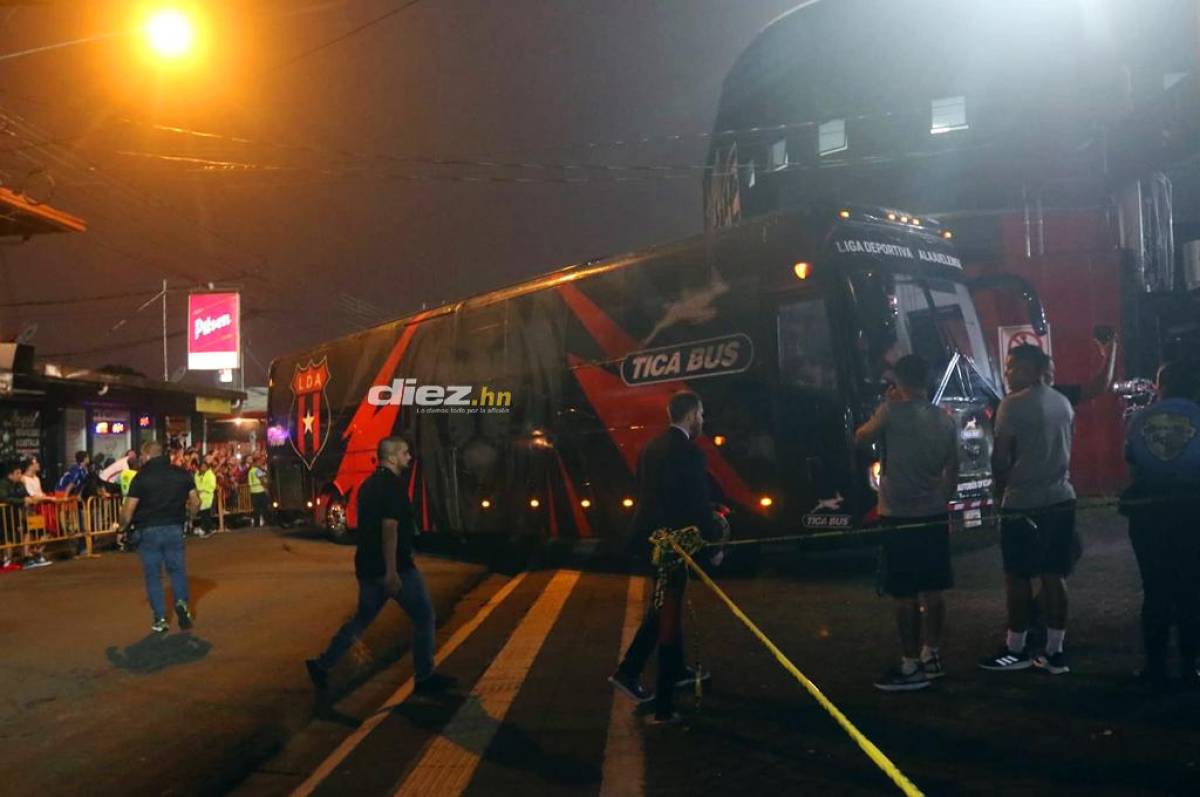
[170,34]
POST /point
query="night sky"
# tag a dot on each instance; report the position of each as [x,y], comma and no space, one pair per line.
[328,211]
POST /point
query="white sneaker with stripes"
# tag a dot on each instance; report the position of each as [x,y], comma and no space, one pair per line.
[1006,660]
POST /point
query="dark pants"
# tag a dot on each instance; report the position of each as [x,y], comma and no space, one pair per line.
[372,597]
[204,519]
[261,504]
[1166,541]
[661,627]
[162,546]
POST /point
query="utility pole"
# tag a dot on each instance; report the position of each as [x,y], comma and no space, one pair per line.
[166,373]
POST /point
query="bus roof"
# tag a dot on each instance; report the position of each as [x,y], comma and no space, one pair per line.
[792,219]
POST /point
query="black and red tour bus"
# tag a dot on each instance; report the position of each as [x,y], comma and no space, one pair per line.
[529,405]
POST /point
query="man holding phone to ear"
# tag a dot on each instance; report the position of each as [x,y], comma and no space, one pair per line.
[1099,382]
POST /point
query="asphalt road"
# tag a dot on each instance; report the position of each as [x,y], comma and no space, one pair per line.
[91,702]
[535,716]
[533,713]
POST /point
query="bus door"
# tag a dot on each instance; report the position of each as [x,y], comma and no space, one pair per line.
[811,417]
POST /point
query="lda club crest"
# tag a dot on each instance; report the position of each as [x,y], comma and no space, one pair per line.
[311,419]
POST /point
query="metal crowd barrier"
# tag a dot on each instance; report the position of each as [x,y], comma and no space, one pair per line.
[241,505]
[23,528]
[62,520]
[101,516]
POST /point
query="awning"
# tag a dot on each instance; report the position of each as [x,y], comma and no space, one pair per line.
[23,217]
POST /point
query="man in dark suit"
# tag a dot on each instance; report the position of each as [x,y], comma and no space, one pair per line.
[673,494]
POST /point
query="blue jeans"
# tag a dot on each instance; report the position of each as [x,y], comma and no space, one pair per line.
[372,596]
[163,546]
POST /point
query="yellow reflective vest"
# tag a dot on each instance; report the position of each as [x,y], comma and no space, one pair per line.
[206,486]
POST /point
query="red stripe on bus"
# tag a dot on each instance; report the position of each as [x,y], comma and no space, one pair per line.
[370,425]
[581,523]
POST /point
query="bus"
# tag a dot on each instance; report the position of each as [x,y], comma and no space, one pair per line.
[528,406]
[1059,139]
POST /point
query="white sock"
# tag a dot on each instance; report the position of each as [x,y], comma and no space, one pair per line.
[1054,640]
[908,666]
[928,652]
[1015,641]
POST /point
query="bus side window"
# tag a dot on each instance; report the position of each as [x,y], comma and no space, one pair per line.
[806,357]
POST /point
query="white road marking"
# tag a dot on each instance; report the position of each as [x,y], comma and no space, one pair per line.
[400,695]
[624,772]
[450,760]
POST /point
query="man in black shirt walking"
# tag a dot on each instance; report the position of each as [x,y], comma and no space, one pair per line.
[160,499]
[385,570]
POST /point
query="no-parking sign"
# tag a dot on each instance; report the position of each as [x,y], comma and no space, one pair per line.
[1012,337]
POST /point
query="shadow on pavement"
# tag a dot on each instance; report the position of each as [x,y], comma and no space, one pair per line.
[324,710]
[158,652]
[465,722]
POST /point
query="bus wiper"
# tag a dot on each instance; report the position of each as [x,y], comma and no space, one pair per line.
[963,366]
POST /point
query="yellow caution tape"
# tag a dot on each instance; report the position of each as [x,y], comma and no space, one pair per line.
[874,753]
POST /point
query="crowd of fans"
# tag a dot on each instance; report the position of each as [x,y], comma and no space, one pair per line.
[220,469]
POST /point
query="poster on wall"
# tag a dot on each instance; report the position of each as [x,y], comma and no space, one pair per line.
[20,434]
[214,331]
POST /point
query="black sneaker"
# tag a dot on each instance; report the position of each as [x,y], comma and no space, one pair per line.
[1006,660]
[1055,664]
[896,680]
[434,683]
[184,614]
[317,674]
[690,678]
[160,625]
[933,666]
[630,686]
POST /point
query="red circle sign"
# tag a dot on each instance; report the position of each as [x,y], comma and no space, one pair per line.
[1025,337]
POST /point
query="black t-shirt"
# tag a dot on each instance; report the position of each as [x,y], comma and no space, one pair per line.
[383,496]
[162,492]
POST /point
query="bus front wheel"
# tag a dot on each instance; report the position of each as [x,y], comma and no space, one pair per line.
[335,522]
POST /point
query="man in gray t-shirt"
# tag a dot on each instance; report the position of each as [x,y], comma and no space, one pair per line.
[1031,465]
[919,475]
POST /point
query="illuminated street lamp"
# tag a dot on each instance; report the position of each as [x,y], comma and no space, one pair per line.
[170,34]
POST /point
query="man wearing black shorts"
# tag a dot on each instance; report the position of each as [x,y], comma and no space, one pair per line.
[919,475]
[1031,465]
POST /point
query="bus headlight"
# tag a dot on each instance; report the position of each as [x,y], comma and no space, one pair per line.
[874,474]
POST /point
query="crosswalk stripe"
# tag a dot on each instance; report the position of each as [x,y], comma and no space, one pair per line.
[450,760]
[400,695]
[624,771]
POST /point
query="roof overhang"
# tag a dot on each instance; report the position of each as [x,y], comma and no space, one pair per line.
[23,217]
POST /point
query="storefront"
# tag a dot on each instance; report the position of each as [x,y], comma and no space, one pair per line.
[52,414]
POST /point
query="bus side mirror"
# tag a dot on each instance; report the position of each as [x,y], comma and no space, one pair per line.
[1022,288]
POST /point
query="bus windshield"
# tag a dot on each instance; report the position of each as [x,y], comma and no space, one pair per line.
[930,316]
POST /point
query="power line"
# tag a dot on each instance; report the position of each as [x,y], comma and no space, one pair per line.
[341,38]
[80,300]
